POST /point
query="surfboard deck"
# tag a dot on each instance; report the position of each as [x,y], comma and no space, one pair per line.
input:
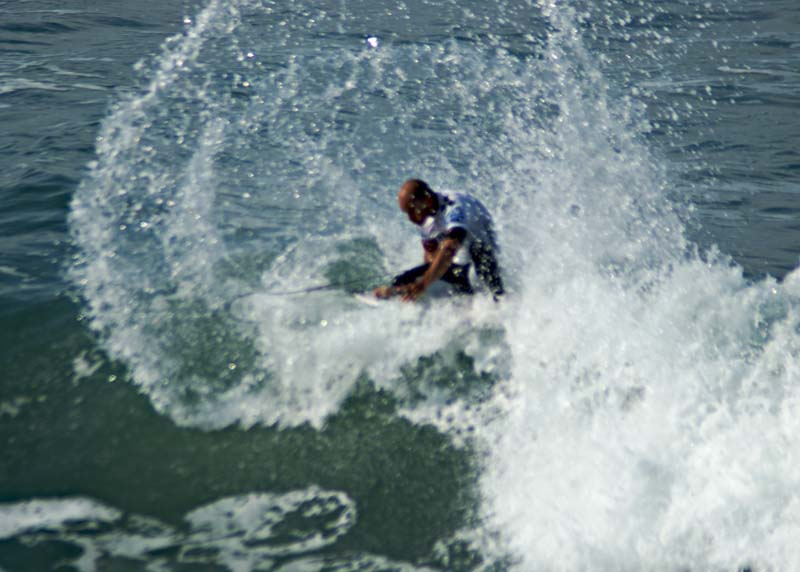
[367,298]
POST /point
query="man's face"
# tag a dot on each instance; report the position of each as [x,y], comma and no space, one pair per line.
[416,209]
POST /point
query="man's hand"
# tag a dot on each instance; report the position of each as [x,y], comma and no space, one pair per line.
[414,291]
[384,292]
[438,266]
[409,292]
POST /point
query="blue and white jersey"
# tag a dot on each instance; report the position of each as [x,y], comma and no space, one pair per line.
[458,210]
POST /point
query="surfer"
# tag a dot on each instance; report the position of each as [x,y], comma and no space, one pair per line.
[456,230]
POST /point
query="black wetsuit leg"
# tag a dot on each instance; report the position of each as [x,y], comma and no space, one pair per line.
[486,267]
[457,275]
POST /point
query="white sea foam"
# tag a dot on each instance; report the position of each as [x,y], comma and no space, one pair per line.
[650,418]
[19,518]
[245,532]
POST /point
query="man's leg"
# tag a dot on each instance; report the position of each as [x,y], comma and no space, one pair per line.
[486,267]
[410,276]
[456,275]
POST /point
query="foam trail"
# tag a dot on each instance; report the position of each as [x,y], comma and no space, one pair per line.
[244,532]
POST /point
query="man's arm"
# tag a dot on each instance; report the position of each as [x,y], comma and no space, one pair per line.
[430,247]
[439,264]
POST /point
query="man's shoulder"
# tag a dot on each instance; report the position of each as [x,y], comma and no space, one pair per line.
[456,198]
[462,206]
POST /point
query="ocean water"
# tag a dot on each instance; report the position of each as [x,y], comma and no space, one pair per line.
[191,191]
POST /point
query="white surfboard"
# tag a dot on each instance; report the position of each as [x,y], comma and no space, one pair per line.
[367,298]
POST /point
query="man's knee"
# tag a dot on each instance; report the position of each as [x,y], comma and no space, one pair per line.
[487,268]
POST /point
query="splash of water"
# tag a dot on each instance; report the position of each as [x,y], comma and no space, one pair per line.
[649,418]
[231,176]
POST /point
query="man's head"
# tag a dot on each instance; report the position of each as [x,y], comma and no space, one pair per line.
[417,200]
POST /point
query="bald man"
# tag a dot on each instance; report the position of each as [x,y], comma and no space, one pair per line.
[456,231]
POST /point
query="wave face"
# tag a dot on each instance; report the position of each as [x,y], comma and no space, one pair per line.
[639,403]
